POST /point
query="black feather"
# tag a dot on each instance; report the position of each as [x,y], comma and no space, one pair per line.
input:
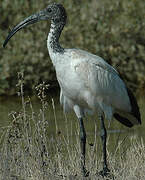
[123,120]
[134,111]
[134,106]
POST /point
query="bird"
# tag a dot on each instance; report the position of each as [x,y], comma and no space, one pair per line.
[88,84]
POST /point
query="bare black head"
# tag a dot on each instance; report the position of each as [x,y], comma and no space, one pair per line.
[55,12]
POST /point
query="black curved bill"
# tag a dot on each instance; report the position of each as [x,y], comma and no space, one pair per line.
[30,20]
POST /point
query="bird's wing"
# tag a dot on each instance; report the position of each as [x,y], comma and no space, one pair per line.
[83,56]
[104,82]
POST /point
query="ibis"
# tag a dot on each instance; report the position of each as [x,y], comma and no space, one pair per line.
[87,82]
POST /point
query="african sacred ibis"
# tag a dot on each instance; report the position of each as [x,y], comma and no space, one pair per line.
[87,82]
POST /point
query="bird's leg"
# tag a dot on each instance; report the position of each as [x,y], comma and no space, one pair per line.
[105,170]
[83,146]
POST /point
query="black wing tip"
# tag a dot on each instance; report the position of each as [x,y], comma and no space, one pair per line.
[123,120]
[134,111]
[135,108]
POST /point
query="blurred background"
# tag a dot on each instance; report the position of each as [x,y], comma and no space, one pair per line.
[114,30]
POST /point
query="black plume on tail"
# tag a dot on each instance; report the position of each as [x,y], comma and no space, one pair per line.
[135,109]
[123,120]
[134,112]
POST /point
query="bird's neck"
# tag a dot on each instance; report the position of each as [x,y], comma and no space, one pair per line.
[53,38]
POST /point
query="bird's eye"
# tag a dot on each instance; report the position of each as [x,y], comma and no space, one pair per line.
[49,10]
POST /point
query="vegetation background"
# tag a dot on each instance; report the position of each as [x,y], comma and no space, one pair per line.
[114,30]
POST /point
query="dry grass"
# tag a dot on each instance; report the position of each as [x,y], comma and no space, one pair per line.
[28,153]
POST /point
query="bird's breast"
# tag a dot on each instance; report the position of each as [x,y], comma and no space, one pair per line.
[71,85]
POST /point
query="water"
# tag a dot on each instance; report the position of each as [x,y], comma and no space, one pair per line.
[57,120]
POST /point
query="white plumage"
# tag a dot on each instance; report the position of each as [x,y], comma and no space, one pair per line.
[87,81]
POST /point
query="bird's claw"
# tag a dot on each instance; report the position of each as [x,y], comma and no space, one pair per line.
[85,172]
[104,172]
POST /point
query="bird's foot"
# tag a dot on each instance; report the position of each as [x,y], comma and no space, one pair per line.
[105,172]
[85,172]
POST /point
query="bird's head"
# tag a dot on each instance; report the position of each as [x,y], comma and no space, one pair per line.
[55,12]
